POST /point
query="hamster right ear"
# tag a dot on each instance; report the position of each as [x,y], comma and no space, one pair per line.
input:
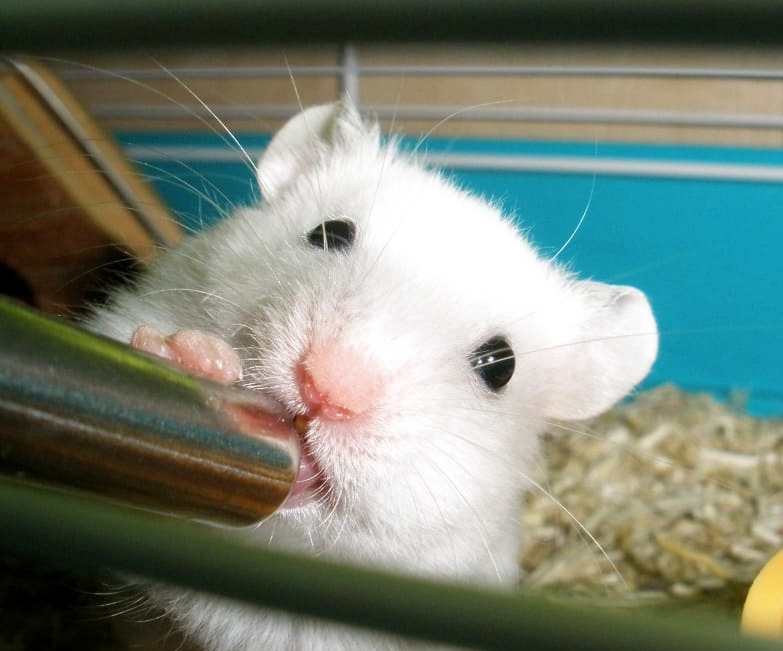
[301,139]
[609,347]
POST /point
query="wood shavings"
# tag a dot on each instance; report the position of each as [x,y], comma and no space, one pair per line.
[683,494]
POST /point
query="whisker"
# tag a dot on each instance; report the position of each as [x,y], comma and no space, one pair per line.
[164,175]
[591,340]
[384,162]
[579,223]
[206,107]
[584,211]
[435,502]
[105,265]
[318,198]
[138,604]
[452,115]
[151,89]
[189,290]
[471,510]
[579,524]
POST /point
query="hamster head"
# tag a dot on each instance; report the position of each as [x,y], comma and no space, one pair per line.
[417,337]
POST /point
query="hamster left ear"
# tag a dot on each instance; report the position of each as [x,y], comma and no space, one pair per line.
[300,141]
[613,350]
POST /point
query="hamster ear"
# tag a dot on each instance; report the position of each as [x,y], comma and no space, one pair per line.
[613,350]
[301,139]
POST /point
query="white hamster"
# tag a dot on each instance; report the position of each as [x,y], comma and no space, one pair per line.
[423,339]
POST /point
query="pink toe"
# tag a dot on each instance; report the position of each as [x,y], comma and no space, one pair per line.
[149,340]
[200,353]
[206,355]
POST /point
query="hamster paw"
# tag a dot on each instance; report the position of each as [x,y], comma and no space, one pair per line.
[201,353]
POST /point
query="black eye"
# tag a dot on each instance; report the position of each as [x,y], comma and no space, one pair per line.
[494,363]
[333,235]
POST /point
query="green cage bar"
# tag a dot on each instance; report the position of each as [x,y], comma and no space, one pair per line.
[46,25]
[89,535]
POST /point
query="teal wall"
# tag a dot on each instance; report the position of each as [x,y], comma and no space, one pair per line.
[706,252]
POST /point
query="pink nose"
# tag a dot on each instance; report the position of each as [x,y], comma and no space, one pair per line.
[337,382]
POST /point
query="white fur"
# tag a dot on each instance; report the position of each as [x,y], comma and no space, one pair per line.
[430,481]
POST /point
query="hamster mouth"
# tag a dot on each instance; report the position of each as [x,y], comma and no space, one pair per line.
[310,480]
